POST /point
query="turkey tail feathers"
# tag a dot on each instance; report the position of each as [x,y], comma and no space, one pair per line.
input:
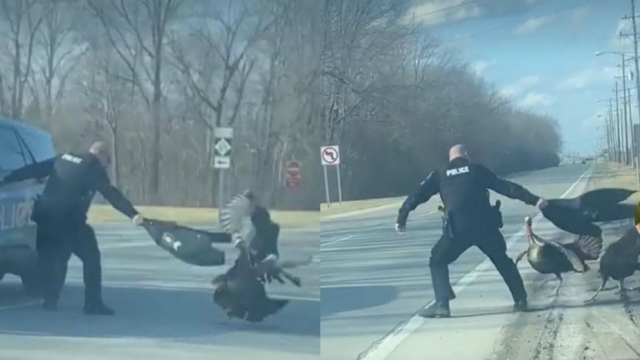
[586,247]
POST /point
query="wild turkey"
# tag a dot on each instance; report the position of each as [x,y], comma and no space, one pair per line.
[548,257]
[578,215]
[620,260]
[252,226]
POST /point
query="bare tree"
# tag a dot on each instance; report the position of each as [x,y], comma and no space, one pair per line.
[23,19]
[141,24]
[57,54]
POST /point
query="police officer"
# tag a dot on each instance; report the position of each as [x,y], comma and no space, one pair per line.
[61,216]
[463,188]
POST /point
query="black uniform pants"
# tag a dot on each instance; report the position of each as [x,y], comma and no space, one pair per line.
[492,244]
[56,242]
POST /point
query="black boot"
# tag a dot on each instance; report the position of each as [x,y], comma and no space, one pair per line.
[520,305]
[452,294]
[98,309]
[436,310]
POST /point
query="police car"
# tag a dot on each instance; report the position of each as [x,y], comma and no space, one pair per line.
[20,145]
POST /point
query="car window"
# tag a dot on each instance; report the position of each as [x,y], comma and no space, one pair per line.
[12,152]
[40,145]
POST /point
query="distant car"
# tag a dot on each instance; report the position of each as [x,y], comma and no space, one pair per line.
[584,161]
[20,144]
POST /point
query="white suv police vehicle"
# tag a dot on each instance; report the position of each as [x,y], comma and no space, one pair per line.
[20,144]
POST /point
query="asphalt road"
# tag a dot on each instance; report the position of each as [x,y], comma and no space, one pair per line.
[164,310]
[374,281]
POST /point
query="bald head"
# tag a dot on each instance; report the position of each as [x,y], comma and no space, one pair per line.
[457,151]
[102,151]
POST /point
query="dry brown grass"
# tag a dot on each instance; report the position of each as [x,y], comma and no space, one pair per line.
[618,176]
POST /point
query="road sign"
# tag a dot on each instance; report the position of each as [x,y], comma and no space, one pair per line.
[223,146]
[293,178]
[293,168]
[293,182]
[221,162]
[330,155]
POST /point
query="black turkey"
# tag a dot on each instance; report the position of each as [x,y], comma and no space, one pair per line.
[620,260]
[578,215]
[192,246]
[549,257]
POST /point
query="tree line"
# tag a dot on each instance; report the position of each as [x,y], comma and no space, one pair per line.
[156,77]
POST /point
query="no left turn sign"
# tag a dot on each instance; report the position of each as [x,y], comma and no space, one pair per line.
[330,155]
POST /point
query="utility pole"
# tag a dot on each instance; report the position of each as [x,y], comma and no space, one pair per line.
[624,126]
[635,51]
[631,139]
[637,78]
[614,141]
[618,132]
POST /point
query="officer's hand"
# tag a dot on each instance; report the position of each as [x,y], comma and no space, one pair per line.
[400,229]
[138,220]
[238,242]
[542,203]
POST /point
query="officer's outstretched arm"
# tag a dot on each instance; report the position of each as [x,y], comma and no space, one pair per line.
[506,187]
[428,188]
[113,195]
[32,171]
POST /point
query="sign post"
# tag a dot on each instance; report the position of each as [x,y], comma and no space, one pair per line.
[294,179]
[636,148]
[222,160]
[330,156]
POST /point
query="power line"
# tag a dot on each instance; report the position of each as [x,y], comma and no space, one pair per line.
[447,8]
[557,11]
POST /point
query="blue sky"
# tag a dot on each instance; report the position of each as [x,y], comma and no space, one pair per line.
[541,53]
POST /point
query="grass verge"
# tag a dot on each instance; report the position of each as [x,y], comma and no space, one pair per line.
[612,175]
[286,219]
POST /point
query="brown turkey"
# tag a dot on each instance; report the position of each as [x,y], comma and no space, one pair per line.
[620,260]
[549,257]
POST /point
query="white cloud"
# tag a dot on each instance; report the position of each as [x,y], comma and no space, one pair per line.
[588,77]
[535,99]
[533,24]
[531,2]
[480,67]
[431,12]
[519,86]
[580,14]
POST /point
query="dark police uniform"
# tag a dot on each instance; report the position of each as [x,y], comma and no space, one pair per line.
[471,222]
[61,215]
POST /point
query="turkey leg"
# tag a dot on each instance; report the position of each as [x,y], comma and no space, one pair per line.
[559,284]
[604,282]
[520,256]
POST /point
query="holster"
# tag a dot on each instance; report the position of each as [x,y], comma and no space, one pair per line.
[497,215]
[448,224]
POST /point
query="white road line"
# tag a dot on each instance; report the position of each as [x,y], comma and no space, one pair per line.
[20,306]
[336,241]
[385,346]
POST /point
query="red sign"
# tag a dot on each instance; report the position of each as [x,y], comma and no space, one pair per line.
[294,179]
[293,182]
